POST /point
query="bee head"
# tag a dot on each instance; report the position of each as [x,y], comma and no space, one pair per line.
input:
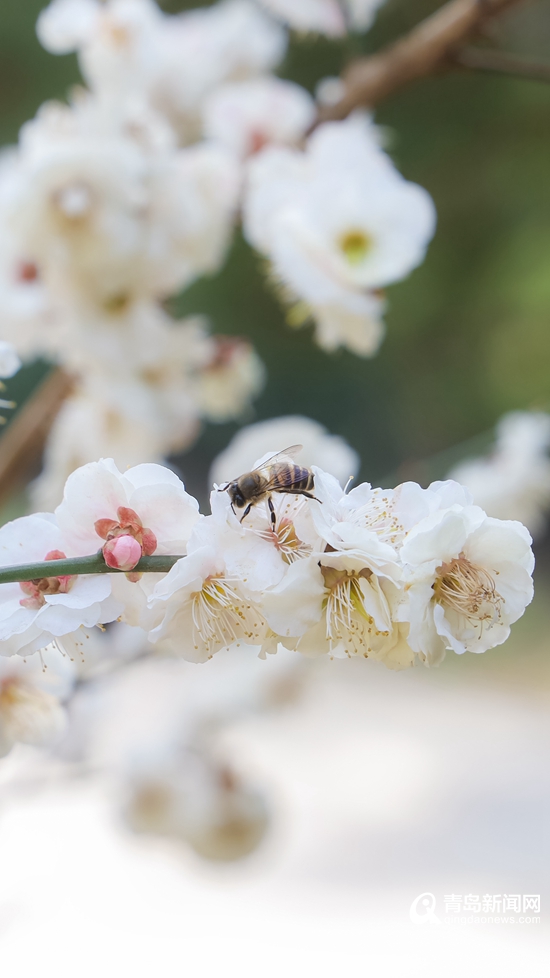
[236,495]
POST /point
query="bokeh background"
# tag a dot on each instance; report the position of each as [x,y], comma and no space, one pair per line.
[468,338]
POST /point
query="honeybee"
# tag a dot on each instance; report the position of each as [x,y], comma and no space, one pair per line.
[277,474]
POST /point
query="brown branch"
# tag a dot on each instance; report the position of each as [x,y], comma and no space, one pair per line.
[485,59]
[428,48]
[22,444]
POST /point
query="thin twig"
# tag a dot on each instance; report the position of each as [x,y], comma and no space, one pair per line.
[93,564]
[427,49]
[485,59]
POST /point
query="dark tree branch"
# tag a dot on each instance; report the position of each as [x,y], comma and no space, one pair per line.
[429,48]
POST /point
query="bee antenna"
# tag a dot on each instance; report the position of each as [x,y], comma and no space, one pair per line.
[348,483]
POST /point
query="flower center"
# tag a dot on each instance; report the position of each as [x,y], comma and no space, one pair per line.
[74,200]
[117,303]
[468,589]
[355,245]
[37,589]
[346,618]
[286,541]
[221,616]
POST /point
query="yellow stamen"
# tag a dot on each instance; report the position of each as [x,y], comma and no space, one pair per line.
[469,590]
[356,245]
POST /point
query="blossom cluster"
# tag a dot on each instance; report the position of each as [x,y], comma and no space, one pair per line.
[398,575]
[121,198]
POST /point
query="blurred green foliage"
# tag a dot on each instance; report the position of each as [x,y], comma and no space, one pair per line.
[468,333]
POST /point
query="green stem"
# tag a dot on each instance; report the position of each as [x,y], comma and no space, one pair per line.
[94,564]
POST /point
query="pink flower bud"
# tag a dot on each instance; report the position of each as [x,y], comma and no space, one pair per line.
[122,552]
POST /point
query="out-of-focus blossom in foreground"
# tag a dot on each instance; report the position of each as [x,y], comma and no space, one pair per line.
[199,801]
[32,692]
[513,482]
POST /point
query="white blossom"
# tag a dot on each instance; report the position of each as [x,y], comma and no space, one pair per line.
[105,219]
[468,578]
[32,613]
[228,381]
[393,574]
[200,609]
[361,13]
[257,550]
[32,691]
[317,16]
[130,50]
[198,799]
[147,502]
[248,115]
[513,481]
[338,223]
[9,360]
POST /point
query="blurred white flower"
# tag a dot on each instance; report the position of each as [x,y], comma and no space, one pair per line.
[513,482]
[196,799]
[9,360]
[129,51]
[468,578]
[329,452]
[317,16]
[360,14]
[31,695]
[84,429]
[229,41]
[145,383]
[34,612]
[229,379]
[248,115]
[341,317]
[105,219]
[329,17]
[337,222]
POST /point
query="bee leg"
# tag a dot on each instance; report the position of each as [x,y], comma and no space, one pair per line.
[300,492]
[246,512]
[272,511]
[309,495]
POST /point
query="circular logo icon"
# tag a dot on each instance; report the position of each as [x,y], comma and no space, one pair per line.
[423,910]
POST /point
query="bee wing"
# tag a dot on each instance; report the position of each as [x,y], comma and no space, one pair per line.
[287,455]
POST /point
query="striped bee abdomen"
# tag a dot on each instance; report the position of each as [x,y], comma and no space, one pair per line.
[291,477]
